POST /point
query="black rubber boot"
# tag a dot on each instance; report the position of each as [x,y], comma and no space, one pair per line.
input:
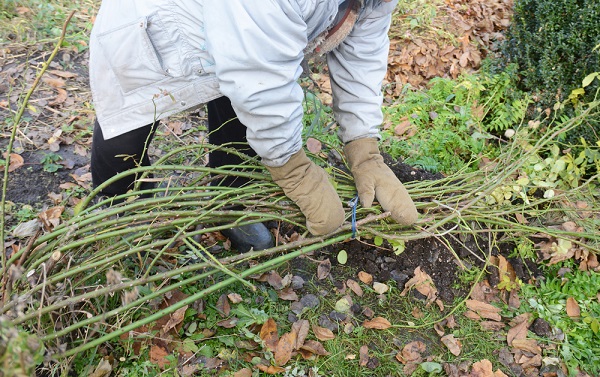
[251,236]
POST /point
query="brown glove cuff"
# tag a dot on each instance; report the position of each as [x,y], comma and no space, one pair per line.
[362,150]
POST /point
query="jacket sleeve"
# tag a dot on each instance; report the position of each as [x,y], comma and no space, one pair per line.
[357,68]
[257,47]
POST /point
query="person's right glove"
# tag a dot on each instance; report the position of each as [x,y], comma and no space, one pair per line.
[309,187]
[374,178]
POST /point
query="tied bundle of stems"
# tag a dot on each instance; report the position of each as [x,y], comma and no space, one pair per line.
[64,271]
[62,275]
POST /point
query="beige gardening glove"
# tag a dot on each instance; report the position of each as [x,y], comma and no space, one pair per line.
[374,179]
[309,187]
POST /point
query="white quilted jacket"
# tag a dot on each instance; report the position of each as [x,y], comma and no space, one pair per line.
[152,58]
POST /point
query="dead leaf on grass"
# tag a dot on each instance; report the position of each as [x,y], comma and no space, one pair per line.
[452,344]
[378,323]
[300,328]
[268,333]
[50,218]
[355,287]
[529,345]
[484,310]
[411,352]
[284,348]
[235,298]
[104,369]
[158,356]
[15,162]
[322,333]
[228,323]
[275,280]
[492,325]
[271,369]
[518,331]
[60,98]
[54,82]
[573,310]
[423,283]
[365,277]
[246,372]
[484,368]
[363,355]
[287,294]
[175,319]
[313,145]
[323,269]
[223,306]
[312,348]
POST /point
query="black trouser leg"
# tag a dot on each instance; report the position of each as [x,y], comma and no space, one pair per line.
[224,127]
[116,155]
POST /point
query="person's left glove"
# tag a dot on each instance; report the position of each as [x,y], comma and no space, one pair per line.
[374,179]
[309,187]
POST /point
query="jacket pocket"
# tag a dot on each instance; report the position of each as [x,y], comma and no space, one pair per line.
[131,52]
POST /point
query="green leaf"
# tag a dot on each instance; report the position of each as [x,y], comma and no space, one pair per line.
[589,78]
[378,241]
[595,325]
[398,246]
[342,305]
[431,367]
[342,257]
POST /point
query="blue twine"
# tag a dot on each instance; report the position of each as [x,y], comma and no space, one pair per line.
[353,204]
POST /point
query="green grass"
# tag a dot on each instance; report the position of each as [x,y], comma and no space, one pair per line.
[37,21]
[547,300]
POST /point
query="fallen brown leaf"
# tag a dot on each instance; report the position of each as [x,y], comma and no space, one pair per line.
[246,372]
[103,369]
[411,352]
[355,287]
[313,145]
[50,218]
[174,319]
[223,306]
[485,310]
[452,344]
[16,161]
[421,282]
[322,333]
[301,328]
[275,280]
[268,333]
[287,294]
[235,298]
[363,356]
[284,348]
[517,332]
[378,323]
[311,348]
[271,369]
[323,269]
[529,345]
[380,287]
[365,277]
[484,368]
[158,356]
[573,310]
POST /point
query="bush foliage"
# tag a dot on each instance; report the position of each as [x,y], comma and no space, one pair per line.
[553,43]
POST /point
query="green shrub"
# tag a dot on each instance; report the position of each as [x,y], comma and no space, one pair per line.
[555,45]
[552,42]
[452,124]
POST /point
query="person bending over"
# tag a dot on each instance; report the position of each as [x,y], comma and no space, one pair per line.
[153,58]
